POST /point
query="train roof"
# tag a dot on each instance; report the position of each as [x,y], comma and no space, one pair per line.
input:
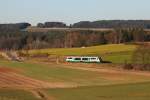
[83,56]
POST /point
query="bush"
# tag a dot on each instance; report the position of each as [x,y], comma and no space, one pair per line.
[128,67]
[145,67]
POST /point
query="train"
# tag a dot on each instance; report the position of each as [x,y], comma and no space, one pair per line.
[84,59]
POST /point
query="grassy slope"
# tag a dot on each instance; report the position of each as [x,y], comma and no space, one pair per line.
[119,57]
[8,94]
[95,50]
[139,91]
[117,53]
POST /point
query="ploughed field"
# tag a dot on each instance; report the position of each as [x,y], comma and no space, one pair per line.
[41,81]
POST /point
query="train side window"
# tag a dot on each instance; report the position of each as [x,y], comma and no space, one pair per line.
[84,58]
[93,58]
[77,58]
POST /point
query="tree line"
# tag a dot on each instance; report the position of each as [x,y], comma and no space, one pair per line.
[99,24]
[145,24]
[13,27]
[18,39]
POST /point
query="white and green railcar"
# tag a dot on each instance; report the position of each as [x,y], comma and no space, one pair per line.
[83,59]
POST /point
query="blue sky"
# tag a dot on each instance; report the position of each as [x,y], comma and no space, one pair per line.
[70,11]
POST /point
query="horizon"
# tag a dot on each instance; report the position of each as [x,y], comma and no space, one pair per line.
[81,21]
[69,11]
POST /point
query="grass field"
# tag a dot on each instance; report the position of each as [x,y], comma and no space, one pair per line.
[117,53]
[119,57]
[92,85]
[87,84]
[59,73]
[56,73]
[139,91]
[11,94]
[95,50]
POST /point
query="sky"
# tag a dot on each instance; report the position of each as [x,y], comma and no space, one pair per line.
[71,11]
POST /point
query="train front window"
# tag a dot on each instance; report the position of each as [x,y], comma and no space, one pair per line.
[69,58]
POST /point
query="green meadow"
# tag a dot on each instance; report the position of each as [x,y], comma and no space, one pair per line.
[12,94]
[138,91]
[116,53]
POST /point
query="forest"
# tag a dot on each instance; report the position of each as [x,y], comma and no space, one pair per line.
[14,36]
[99,24]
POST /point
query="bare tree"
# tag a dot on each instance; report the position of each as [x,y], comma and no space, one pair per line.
[141,56]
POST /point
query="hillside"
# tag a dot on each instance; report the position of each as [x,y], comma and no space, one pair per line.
[113,24]
[94,50]
[117,53]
